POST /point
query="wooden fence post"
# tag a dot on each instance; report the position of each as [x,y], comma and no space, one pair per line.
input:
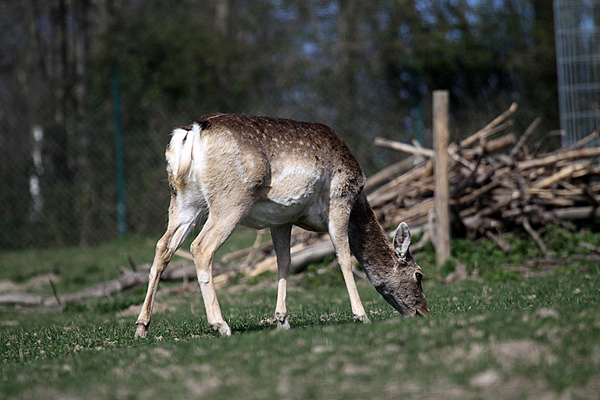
[440,148]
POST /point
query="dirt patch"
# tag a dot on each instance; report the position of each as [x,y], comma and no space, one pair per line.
[546,313]
[507,354]
[161,352]
[486,378]
[520,352]
[462,357]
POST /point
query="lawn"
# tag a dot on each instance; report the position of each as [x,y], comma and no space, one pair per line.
[486,338]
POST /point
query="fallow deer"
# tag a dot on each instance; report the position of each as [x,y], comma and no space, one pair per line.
[262,172]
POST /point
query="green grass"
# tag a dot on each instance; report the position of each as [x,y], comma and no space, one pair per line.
[493,338]
[77,267]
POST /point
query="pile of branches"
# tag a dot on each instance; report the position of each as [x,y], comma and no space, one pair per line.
[497,184]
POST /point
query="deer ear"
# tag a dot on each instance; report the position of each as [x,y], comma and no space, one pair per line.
[402,240]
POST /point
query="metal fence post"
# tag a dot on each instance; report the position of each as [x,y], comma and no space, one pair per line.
[121,207]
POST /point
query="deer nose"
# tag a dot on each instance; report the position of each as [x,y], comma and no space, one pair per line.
[424,312]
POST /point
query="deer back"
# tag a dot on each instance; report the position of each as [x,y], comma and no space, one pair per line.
[286,163]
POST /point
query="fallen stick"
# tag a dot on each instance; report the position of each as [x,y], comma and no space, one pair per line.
[535,236]
[242,252]
[577,212]
[377,197]
[478,192]
[389,173]
[582,142]
[184,254]
[300,258]
[254,249]
[563,156]
[497,239]
[486,129]
[530,129]
[563,173]
[25,299]
[493,145]
[407,148]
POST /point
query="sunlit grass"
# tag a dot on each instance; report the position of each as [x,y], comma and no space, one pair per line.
[540,334]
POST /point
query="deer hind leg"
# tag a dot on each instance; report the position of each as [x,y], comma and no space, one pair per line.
[281,243]
[217,229]
[338,230]
[179,228]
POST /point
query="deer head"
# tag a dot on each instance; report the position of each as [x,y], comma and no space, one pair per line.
[400,283]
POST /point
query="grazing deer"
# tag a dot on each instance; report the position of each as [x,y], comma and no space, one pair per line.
[262,172]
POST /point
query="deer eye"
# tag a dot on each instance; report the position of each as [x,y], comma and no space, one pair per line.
[418,276]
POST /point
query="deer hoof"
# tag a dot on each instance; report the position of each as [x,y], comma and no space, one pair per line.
[141,331]
[282,321]
[362,318]
[221,328]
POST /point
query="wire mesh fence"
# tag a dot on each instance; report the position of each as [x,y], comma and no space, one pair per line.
[578,58]
[64,188]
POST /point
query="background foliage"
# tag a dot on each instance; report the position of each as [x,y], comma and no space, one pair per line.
[365,68]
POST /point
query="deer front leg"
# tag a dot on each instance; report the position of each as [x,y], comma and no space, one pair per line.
[281,242]
[338,231]
[357,308]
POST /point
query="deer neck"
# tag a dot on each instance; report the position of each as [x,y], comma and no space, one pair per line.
[368,241]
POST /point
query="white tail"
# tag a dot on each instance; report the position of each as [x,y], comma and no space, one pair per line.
[180,152]
[264,172]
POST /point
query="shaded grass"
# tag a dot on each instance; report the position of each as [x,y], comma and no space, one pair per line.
[76,268]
